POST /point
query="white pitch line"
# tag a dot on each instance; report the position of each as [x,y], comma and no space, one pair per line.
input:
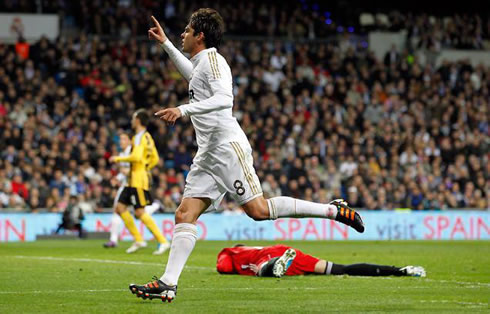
[454,301]
[482,284]
[103,261]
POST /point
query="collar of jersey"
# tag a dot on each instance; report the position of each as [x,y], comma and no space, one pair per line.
[201,53]
[138,136]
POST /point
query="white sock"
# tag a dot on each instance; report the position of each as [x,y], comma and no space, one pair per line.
[116,223]
[183,241]
[283,206]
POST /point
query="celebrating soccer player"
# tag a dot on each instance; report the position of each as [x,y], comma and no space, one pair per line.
[143,158]
[223,163]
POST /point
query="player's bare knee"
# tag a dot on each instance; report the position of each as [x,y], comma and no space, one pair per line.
[138,212]
[258,216]
[182,215]
[120,209]
[257,209]
[258,213]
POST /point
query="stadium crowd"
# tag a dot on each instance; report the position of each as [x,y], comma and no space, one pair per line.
[292,19]
[460,31]
[324,123]
[326,119]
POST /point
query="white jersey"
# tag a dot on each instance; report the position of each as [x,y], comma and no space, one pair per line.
[211,97]
[121,177]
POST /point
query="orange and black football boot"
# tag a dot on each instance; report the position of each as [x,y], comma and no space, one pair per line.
[155,289]
[347,215]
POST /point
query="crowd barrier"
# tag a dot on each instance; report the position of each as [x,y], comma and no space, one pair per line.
[380,225]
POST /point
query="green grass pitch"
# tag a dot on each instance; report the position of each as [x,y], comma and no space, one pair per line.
[83,277]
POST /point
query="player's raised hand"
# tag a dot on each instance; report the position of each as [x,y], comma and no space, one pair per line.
[169,115]
[156,32]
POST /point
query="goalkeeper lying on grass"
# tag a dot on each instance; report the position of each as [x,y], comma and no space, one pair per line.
[280,260]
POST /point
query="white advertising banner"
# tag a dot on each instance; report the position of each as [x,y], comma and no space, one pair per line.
[381,42]
[30,26]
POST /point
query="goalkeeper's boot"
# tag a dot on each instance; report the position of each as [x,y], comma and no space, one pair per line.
[155,289]
[414,271]
[347,215]
[282,263]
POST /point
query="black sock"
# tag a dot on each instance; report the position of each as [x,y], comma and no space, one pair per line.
[266,270]
[366,270]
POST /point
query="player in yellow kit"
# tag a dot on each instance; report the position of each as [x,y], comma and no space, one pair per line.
[143,157]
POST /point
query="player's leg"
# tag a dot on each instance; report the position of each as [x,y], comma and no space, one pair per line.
[283,207]
[128,220]
[150,209]
[127,198]
[329,268]
[116,223]
[200,190]
[149,222]
[143,198]
[183,242]
[245,186]
[184,237]
[116,226]
[277,266]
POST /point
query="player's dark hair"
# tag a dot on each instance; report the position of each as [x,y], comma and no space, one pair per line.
[143,116]
[210,23]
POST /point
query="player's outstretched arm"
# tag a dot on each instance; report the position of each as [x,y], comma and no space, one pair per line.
[136,155]
[183,64]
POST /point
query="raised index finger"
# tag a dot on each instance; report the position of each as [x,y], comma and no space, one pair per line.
[160,112]
[155,21]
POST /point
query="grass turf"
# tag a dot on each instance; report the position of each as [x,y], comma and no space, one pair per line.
[83,277]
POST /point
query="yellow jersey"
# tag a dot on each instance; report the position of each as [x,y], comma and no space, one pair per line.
[143,157]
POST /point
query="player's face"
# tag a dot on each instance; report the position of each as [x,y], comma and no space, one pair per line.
[124,141]
[188,39]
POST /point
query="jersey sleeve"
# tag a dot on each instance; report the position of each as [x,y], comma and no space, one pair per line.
[221,88]
[183,64]
[136,155]
[154,157]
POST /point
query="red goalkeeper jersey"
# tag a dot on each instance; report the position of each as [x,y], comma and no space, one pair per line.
[237,260]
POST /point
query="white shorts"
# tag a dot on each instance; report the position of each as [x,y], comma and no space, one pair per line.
[228,168]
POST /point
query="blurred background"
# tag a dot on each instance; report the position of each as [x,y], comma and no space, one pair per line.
[383,104]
